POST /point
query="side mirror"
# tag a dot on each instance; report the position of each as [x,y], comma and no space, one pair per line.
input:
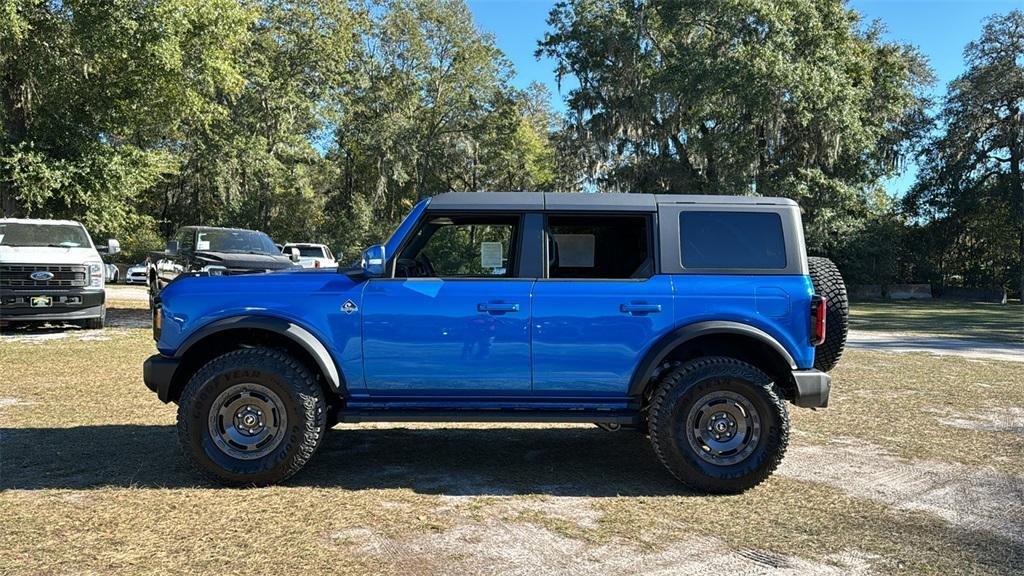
[373,261]
[293,254]
[112,247]
[172,248]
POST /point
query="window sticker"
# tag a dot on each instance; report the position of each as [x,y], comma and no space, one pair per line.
[490,255]
[575,250]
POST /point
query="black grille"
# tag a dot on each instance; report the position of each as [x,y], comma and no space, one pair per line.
[20,276]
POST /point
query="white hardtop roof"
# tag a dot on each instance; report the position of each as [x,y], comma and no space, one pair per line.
[39,221]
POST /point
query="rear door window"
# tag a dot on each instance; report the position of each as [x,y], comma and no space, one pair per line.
[599,247]
[740,240]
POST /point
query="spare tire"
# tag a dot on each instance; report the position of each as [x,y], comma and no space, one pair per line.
[829,283]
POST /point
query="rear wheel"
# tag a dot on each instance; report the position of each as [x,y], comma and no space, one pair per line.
[718,425]
[828,282]
[251,417]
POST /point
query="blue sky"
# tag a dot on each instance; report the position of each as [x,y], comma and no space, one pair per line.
[939,28]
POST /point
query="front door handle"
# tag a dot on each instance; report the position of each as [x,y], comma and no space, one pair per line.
[639,308]
[497,307]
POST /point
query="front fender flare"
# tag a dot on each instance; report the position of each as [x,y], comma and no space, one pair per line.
[297,334]
[663,347]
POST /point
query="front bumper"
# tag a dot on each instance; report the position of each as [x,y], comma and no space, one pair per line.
[158,374]
[812,388]
[66,304]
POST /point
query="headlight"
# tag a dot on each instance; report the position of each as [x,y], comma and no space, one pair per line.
[214,270]
[96,273]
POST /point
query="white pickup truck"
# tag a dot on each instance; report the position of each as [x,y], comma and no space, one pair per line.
[311,255]
[50,271]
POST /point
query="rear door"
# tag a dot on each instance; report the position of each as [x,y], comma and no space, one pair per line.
[454,319]
[600,307]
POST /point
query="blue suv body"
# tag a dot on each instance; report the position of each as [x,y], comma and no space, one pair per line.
[625,310]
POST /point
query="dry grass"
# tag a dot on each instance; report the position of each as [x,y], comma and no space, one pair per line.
[978,320]
[92,482]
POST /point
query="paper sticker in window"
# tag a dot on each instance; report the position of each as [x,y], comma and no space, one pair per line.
[575,250]
[491,255]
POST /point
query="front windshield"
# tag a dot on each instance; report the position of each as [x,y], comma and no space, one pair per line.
[54,235]
[237,241]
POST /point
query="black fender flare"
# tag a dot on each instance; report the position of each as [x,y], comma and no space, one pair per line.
[297,334]
[664,346]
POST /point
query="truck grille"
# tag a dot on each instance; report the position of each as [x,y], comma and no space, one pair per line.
[20,276]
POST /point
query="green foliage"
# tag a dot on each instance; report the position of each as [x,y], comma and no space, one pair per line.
[744,97]
[969,194]
[328,120]
[92,93]
[310,120]
[430,110]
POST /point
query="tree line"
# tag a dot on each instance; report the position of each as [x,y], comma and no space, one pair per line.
[326,120]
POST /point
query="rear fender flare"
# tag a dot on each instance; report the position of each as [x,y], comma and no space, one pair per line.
[656,355]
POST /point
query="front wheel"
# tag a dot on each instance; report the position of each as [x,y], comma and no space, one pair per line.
[718,425]
[95,323]
[251,417]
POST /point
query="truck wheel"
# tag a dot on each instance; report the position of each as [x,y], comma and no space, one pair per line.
[718,424]
[829,283]
[95,323]
[251,417]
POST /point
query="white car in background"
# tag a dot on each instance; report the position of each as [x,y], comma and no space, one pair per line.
[112,273]
[137,274]
[312,255]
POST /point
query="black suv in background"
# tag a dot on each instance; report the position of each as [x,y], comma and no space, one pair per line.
[215,251]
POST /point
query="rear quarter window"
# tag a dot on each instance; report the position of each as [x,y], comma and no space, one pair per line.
[752,240]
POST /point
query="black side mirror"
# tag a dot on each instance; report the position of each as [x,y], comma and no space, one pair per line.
[172,248]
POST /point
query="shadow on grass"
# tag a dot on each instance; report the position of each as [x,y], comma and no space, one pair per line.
[495,461]
[975,321]
[475,462]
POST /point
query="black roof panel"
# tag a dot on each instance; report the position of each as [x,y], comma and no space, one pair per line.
[610,201]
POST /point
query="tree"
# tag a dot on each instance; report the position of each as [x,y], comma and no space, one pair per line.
[258,165]
[970,185]
[746,97]
[430,110]
[92,91]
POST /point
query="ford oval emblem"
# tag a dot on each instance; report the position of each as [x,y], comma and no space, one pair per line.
[42,275]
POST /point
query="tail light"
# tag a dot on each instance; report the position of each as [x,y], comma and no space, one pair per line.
[316,263]
[817,319]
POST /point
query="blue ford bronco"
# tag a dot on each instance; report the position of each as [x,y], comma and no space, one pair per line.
[692,319]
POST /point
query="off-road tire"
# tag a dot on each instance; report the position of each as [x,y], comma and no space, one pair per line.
[296,388]
[828,282]
[681,388]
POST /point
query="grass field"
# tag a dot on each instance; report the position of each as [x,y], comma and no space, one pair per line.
[982,321]
[915,468]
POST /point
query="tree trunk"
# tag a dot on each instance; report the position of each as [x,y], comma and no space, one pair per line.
[1017,186]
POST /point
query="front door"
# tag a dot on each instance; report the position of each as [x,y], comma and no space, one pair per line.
[455,316]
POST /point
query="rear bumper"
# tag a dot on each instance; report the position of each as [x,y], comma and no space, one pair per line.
[812,388]
[158,373]
[66,304]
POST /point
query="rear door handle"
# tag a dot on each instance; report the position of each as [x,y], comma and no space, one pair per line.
[639,308]
[497,307]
